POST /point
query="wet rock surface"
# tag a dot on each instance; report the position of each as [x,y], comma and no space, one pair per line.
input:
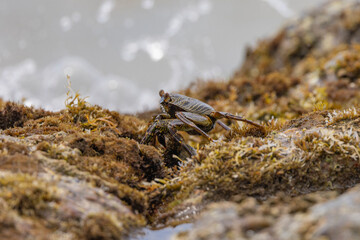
[281,217]
[82,173]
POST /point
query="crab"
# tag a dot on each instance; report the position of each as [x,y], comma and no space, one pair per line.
[183,113]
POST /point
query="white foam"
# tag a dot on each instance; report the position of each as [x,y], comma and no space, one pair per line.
[65,23]
[281,7]
[147,4]
[46,87]
[158,46]
[105,11]
[11,76]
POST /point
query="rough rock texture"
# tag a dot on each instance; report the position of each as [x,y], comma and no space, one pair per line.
[317,152]
[280,186]
[281,217]
[74,174]
[82,173]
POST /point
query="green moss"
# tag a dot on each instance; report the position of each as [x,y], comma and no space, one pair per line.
[13,115]
[299,157]
[94,118]
[26,194]
[107,225]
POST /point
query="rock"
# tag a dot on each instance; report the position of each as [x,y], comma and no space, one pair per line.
[335,219]
[57,181]
[280,217]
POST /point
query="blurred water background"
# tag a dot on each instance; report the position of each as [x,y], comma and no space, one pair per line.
[121,52]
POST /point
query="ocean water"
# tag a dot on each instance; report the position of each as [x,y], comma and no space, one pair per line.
[121,53]
[162,234]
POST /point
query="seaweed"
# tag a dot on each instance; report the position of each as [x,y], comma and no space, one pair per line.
[14,115]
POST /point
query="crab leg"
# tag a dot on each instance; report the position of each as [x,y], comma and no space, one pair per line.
[219,115]
[189,122]
[167,126]
[223,125]
[149,134]
[180,139]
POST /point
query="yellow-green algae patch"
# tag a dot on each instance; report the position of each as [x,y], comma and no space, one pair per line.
[77,173]
[319,151]
[304,86]
[62,204]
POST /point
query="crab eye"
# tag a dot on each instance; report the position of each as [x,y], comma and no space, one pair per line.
[161,93]
[166,97]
